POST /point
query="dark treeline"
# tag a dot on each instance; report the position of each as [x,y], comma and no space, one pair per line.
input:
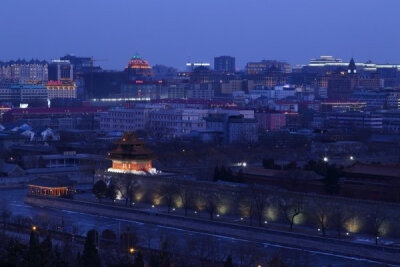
[44,251]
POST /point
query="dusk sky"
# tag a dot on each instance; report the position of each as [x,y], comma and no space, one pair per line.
[172,32]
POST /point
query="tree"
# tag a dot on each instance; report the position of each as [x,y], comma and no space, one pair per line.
[217,174]
[90,256]
[211,200]
[290,209]
[138,262]
[338,218]
[154,261]
[268,164]
[276,261]
[112,191]
[186,196]
[128,239]
[59,261]
[34,257]
[100,189]
[223,173]
[5,214]
[164,259]
[169,191]
[331,180]
[15,253]
[257,205]
[108,234]
[46,249]
[240,176]
[321,212]
[228,262]
[127,186]
[376,220]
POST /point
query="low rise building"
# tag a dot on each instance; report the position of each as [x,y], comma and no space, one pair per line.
[17,94]
[125,119]
[355,120]
[61,89]
[233,129]
[271,121]
[172,123]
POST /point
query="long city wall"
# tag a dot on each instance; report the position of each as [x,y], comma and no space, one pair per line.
[233,200]
[259,235]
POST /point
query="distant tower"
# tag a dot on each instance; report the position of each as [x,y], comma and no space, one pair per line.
[139,68]
[352,69]
[225,64]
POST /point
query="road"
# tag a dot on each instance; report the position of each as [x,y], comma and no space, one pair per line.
[149,235]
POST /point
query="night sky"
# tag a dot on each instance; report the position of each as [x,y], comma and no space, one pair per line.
[171,32]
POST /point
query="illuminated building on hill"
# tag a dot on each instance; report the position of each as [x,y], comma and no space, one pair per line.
[131,156]
[139,68]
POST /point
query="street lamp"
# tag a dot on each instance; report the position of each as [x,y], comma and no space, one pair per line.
[325,159]
[351,158]
[131,250]
[34,228]
[244,164]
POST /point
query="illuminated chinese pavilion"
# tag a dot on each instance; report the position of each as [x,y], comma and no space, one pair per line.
[50,186]
[131,156]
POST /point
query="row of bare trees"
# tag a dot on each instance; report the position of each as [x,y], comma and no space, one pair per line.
[325,215]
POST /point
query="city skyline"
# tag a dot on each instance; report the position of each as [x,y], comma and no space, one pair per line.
[175,32]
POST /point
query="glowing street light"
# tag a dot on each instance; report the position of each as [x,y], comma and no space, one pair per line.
[131,250]
[351,158]
[34,228]
[244,164]
[325,159]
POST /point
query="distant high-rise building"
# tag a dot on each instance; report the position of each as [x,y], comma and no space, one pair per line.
[23,71]
[225,64]
[60,70]
[352,69]
[266,66]
[80,64]
[341,84]
[193,65]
